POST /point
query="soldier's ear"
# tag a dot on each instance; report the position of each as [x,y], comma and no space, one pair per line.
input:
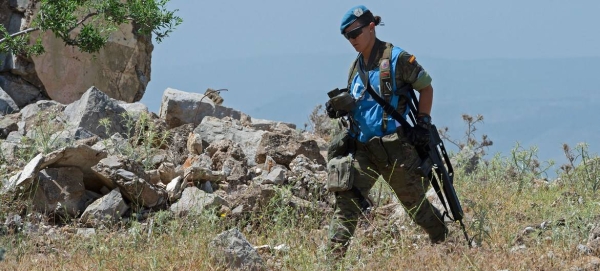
[371,26]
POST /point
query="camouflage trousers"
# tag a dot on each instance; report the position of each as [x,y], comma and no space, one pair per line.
[396,160]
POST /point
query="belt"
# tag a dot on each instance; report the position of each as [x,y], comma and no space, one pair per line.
[364,146]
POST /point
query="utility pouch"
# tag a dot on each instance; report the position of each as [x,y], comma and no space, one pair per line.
[377,151]
[400,151]
[339,145]
[340,175]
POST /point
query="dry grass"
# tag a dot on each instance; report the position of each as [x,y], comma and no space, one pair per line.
[496,217]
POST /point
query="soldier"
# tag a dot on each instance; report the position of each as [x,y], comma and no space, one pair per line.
[374,140]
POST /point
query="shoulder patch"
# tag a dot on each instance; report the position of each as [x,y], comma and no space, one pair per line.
[411,59]
[385,64]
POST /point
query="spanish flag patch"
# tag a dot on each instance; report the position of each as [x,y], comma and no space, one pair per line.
[411,59]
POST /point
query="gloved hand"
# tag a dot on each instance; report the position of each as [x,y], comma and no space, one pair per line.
[332,113]
[420,135]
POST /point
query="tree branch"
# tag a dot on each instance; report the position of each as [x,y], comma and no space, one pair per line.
[82,21]
[23,32]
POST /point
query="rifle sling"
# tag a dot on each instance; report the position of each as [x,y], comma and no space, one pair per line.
[388,108]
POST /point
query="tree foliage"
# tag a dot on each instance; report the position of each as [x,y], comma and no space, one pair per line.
[87,24]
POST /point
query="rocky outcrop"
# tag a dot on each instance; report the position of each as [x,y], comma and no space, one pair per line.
[96,175]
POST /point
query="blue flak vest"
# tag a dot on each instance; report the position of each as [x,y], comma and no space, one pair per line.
[369,115]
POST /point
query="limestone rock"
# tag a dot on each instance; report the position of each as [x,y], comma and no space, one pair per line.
[21,91]
[8,124]
[111,207]
[194,144]
[93,106]
[179,107]
[80,156]
[194,200]
[213,129]
[60,190]
[132,181]
[232,250]
[7,105]
[284,148]
[121,69]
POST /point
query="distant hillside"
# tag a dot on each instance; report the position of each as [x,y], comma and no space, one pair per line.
[543,102]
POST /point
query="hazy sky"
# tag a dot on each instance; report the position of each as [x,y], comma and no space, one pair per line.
[273,35]
[218,31]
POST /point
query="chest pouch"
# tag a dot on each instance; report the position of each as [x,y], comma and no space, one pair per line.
[340,175]
[339,145]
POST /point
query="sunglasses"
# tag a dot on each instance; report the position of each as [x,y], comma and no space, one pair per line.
[352,34]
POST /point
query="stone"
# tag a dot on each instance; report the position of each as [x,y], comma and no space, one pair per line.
[59,190]
[276,176]
[7,105]
[271,126]
[194,144]
[110,208]
[135,110]
[93,106]
[231,249]
[25,178]
[80,156]
[121,68]
[213,129]
[19,5]
[179,107]
[194,201]
[594,240]
[132,181]
[8,124]
[284,148]
[21,91]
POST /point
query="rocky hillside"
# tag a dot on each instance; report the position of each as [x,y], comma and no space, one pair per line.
[99,160]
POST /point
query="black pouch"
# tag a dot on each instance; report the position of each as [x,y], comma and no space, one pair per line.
[340,175]
[339,145]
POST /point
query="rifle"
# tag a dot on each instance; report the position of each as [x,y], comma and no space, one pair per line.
[438,171]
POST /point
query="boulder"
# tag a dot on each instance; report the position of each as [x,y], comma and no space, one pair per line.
[24,178]
[232,250]
[80,156]
[284,148]
[109,208]
[194,201]
[121,68]
[21,91]
[59,190]
[94,106]
[132,181]
[7,105]
[213,129]
[179,107]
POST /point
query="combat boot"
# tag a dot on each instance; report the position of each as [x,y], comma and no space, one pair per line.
[437,236]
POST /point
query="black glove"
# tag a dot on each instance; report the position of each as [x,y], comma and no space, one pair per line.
[420,135]
[332,113]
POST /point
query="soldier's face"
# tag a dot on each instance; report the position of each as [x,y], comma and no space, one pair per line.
[359,35]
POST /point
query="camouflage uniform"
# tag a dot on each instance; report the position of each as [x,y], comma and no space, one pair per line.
[394,158]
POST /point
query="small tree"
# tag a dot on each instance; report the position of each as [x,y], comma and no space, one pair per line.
[470,149]
[95,20]
[319,122]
